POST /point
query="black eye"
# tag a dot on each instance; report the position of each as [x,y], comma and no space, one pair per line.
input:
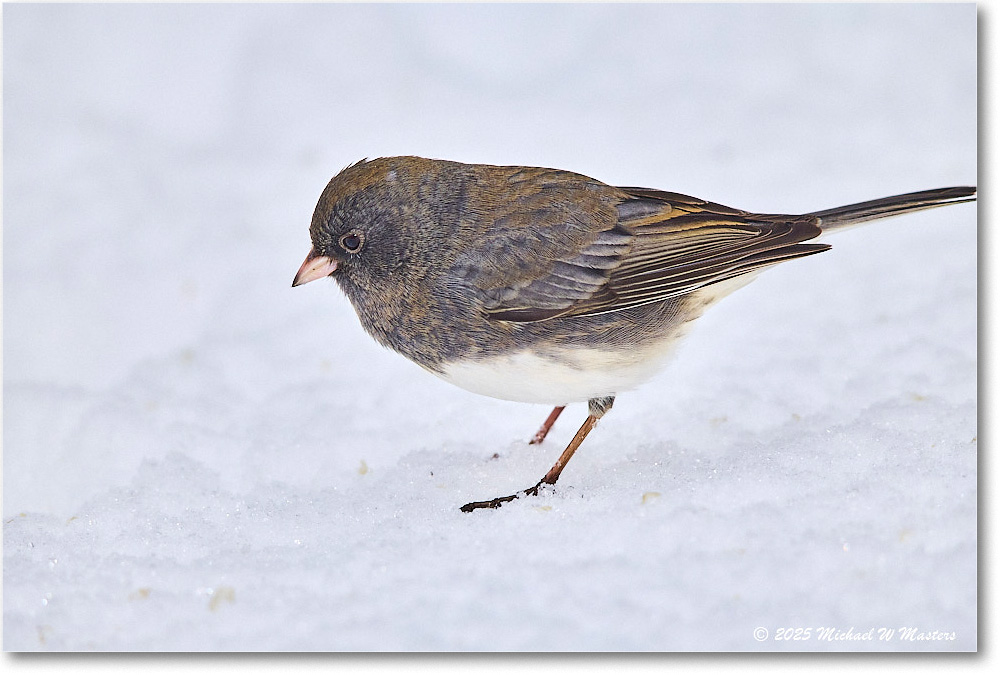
[351,242]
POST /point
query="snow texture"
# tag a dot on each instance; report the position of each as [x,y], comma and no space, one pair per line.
[199,457]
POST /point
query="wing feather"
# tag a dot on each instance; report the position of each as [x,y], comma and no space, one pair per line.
[650,246]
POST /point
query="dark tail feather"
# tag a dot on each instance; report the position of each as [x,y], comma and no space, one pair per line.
[852,214]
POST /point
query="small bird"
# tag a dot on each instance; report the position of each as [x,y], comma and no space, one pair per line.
[546,286]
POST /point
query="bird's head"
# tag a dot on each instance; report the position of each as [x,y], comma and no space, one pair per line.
[361,228]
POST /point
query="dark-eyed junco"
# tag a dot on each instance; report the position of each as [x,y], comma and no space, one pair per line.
[546,286]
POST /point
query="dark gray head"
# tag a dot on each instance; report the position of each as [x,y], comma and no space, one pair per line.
[357,226]
[382,229]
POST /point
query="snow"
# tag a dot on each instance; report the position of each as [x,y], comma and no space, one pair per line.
[199,457]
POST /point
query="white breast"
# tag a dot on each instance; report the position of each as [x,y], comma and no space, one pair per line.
[566,376]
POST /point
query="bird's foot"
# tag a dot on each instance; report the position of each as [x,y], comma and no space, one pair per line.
[500,501]
[597,407]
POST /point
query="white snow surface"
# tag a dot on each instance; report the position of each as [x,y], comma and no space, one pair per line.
[199,457]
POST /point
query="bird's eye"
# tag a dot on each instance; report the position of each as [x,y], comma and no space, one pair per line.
[352,241]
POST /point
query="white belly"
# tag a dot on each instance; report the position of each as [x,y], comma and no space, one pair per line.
[572,375]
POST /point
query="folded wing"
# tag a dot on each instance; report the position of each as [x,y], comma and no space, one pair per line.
[654,246]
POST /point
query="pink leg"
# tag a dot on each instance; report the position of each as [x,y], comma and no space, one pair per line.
[544,430]
[548,479]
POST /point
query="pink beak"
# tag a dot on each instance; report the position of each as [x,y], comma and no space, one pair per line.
[315,267]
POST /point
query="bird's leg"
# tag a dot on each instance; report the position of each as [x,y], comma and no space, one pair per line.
[543,431]
[597,408]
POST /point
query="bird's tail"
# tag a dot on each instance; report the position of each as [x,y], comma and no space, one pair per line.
[852,214]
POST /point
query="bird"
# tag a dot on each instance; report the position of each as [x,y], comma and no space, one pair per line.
[542,285]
